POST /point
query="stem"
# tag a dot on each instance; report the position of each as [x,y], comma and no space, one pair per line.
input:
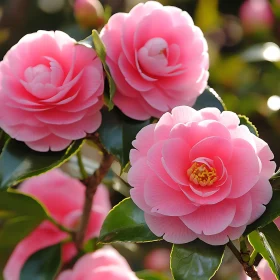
[61,227]
[91,184]
[249,269]
[81,166]
[253,257]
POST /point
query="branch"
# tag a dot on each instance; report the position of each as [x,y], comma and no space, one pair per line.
[249,269]
[91,184]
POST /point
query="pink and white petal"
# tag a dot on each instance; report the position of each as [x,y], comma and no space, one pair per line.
[66,275]
[131,107]
[171,228]
[144,139]
[163,127]
[229,119]
[24,132]
[161,28]
[194,132]
[265,154]
[134,155]
[128,29]
[175,159]
[231,233]
[59,117]
[154,161]
[185,114]
[132,76]
[260,194]
[211,219]
[244,209]
[212,147]
[138,173]
[243,167]
[138,197]
[51,142]
[210,114]
[277,222]
[111,35]
[243,132]
[165,200]
[179,17]
[157,99]
[79,129]
[218,196]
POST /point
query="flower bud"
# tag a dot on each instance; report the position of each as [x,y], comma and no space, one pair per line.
[89,13]
[158,260]
[256,15]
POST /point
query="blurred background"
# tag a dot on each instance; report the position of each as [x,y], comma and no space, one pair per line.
[243,38]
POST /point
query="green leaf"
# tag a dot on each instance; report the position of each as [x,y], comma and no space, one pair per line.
[101,52]
[257,242]
[151,275]
[245,121]
[43,265]
[275,180]
[270,237]
[18,162]
[195,260]
[272,212]
[3,139]
[117,132]
[126,222]
[209,98]
[95,42]
[20,214]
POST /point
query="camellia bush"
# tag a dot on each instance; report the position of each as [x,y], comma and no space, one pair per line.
[199,175]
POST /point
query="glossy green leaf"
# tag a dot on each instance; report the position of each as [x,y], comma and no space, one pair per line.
[195,260]
[96,43]
[270,237]
[3,139]
[43,265]
[101,52]
[126,222]
[209,98]
[18,162]
[19,215]
[275,180]
[151,275]
[272,212]
[117,132]
[257,243]
[245,121]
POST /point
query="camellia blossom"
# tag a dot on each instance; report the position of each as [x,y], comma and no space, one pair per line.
[103,264]
[157,57]
[63,197]
[50,91]
[199,174]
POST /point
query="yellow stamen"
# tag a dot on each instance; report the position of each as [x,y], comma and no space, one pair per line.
[202,175]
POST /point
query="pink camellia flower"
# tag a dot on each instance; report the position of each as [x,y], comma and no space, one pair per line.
[199,174]
[50,91]
[158,260]
[256,15]
[157,57]
[63,197]
[264,271]
[104,264]
[89,13]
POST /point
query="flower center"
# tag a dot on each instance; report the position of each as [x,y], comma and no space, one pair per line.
[202,175]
